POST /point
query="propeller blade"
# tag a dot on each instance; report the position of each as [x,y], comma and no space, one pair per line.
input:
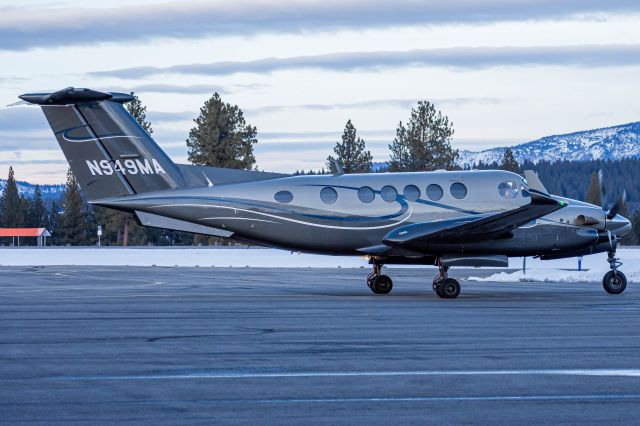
[603,192]
[617,206]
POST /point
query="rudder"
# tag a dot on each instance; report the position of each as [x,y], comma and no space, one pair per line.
[108,151]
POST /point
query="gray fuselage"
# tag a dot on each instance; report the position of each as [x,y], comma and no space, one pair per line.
[300,213]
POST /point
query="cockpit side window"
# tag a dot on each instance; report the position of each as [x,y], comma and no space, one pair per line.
[508,189]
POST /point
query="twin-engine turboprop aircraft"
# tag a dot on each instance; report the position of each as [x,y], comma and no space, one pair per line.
[455,218]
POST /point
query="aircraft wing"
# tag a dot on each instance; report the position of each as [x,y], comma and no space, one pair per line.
[472,228]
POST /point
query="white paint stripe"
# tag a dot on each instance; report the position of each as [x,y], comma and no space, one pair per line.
[239,218]
[101,138]
[619,397]
[356,228]
[552,397]
[240,375]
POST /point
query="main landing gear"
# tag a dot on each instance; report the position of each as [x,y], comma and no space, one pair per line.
[378,283]
[614,281]
[445,287]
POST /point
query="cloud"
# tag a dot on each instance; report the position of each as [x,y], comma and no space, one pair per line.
[178,89]
[460,58]
[168,117]
[178,116]
[28,118]
[31,161]
[375,103]
[322,135]
[24,27]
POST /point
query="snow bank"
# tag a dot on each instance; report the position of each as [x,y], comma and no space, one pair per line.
[594,267]
[172,256]
[565,270]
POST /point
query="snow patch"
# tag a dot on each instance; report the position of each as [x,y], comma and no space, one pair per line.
[565,270]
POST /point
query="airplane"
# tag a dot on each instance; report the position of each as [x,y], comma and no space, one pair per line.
[443,218]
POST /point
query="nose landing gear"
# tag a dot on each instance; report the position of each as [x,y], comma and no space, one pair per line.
[445,287]
[614,281]
[378,283]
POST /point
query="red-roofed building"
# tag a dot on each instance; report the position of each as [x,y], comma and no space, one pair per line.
[40,233]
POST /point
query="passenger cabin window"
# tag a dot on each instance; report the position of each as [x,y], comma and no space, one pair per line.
[388,193]
[508,189]
[458,190]
[411,192]
[366,194]
[328,195]
[283,196]
[434,192]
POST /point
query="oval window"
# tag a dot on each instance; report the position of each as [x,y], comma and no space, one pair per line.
[508,189]
[283,196]
[434,192]
[366,194]
[388,193]
[411,192]
[458,190]
[328,195]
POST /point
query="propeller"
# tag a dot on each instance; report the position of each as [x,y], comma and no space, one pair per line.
[619,203]
[603,191]
[617,206]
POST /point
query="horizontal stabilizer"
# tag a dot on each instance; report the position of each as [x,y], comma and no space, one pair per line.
[71,95]
[156,221]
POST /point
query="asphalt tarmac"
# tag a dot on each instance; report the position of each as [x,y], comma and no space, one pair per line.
[119,345]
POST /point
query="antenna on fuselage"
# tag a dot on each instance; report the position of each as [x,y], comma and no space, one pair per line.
[339,170]
[209,183]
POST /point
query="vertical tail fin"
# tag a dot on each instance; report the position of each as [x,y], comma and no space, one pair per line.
[108,151]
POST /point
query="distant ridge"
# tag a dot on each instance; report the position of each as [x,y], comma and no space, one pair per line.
[26,189]
[607,143]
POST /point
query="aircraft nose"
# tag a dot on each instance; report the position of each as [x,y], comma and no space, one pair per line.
[619,225]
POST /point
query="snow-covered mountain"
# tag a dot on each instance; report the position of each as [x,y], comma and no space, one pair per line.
[609,143]
[49,192]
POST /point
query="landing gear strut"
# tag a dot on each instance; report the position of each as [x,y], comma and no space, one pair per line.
[614,281]
[378,283]
[445,287]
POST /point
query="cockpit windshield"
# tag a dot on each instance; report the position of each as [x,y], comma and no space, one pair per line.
[508,189]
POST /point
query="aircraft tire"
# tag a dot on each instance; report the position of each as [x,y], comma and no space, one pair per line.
[614,283]
[382,284]
[448,289]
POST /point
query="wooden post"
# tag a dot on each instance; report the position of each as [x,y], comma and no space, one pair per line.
[125,240]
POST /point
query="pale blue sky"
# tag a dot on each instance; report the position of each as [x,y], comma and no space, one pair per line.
[504,72]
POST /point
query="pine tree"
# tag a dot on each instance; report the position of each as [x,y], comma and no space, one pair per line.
[221,136]
[37,215]
[424,143]
[139,112]
[12,213]
[53,223]
[593,193]
[350,153]
[509,162]
[71,223]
